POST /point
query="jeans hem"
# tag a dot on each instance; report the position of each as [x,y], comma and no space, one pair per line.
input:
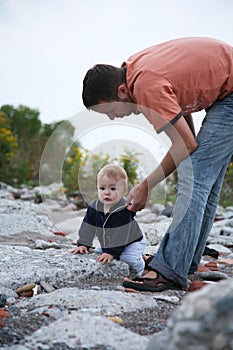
[169,273]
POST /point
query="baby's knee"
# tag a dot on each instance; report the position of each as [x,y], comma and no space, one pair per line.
[135,262]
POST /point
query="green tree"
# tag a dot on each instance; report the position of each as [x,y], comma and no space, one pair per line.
[25,123]
[8,144]
[129,162]
[32,137]
[71,168]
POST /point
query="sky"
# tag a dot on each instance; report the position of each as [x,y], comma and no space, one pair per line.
[48,45]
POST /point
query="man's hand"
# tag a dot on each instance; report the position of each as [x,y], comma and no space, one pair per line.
[82,249]
[105,258]
[138,197]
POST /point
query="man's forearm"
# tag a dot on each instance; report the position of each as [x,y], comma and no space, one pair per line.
[183,144]
[166,167]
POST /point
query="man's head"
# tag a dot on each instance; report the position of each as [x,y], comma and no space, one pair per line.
[105,91]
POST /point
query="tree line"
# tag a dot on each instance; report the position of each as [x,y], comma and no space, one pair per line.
[23,138]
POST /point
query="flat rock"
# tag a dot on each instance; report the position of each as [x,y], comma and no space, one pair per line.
[203,321]
[84,331]
[17,223]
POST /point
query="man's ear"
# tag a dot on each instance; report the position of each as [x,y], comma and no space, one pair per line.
[123,91]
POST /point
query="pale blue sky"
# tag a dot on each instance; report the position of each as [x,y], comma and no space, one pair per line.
[48,45]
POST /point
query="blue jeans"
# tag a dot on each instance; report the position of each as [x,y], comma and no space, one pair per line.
[200,179]
[132,255]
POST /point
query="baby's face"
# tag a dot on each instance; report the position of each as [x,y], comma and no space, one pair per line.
[110,191]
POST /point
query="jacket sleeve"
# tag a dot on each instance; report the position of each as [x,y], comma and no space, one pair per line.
[87,229]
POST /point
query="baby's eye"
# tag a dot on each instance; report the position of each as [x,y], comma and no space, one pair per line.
[102,188]
[113,188]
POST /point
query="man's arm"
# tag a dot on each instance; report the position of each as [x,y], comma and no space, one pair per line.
[189,120]
[183,144]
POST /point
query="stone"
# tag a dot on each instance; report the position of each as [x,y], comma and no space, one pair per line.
[116,319]
[157,208]
[212,275]
[168,210]
[47,287]
[25,288]
[85,332]
[212,265]
[27,294]
[203,321]
[3,313]
[226,261]
[14,224]
[196,285]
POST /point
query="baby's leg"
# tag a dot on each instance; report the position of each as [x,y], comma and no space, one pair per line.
[132,255]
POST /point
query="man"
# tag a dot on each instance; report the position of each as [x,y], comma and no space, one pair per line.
[166,83]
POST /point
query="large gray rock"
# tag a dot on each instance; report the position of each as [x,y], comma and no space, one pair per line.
[94,302]
[203,322]
[21,265]
[79,330]
[14,224]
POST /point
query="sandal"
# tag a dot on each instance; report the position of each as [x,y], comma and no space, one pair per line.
[157,284]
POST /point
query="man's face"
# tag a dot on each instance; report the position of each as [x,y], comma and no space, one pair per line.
[115,109]
[120,108]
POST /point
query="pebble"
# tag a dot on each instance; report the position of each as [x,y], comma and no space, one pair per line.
[25,288]
[47,287]
[3,313]
[116,319]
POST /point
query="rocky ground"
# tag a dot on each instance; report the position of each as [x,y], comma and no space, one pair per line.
[144,321]
[83,305]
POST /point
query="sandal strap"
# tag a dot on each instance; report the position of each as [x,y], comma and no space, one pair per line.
[160,279]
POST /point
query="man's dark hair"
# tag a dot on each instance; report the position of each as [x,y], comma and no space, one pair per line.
[101,83]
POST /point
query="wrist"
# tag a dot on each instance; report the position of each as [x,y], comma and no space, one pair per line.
[145,185]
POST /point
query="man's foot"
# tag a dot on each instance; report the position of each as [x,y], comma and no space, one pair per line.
[149,274]
[153,281]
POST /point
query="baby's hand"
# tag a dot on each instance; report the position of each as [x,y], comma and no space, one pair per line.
[80,250]
[105,258]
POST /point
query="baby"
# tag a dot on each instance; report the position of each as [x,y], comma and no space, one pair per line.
[114,225]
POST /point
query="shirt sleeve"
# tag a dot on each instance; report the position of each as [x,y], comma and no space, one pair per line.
[156,99]
[87,229]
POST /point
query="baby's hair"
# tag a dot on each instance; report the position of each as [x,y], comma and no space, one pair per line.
[114,172]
